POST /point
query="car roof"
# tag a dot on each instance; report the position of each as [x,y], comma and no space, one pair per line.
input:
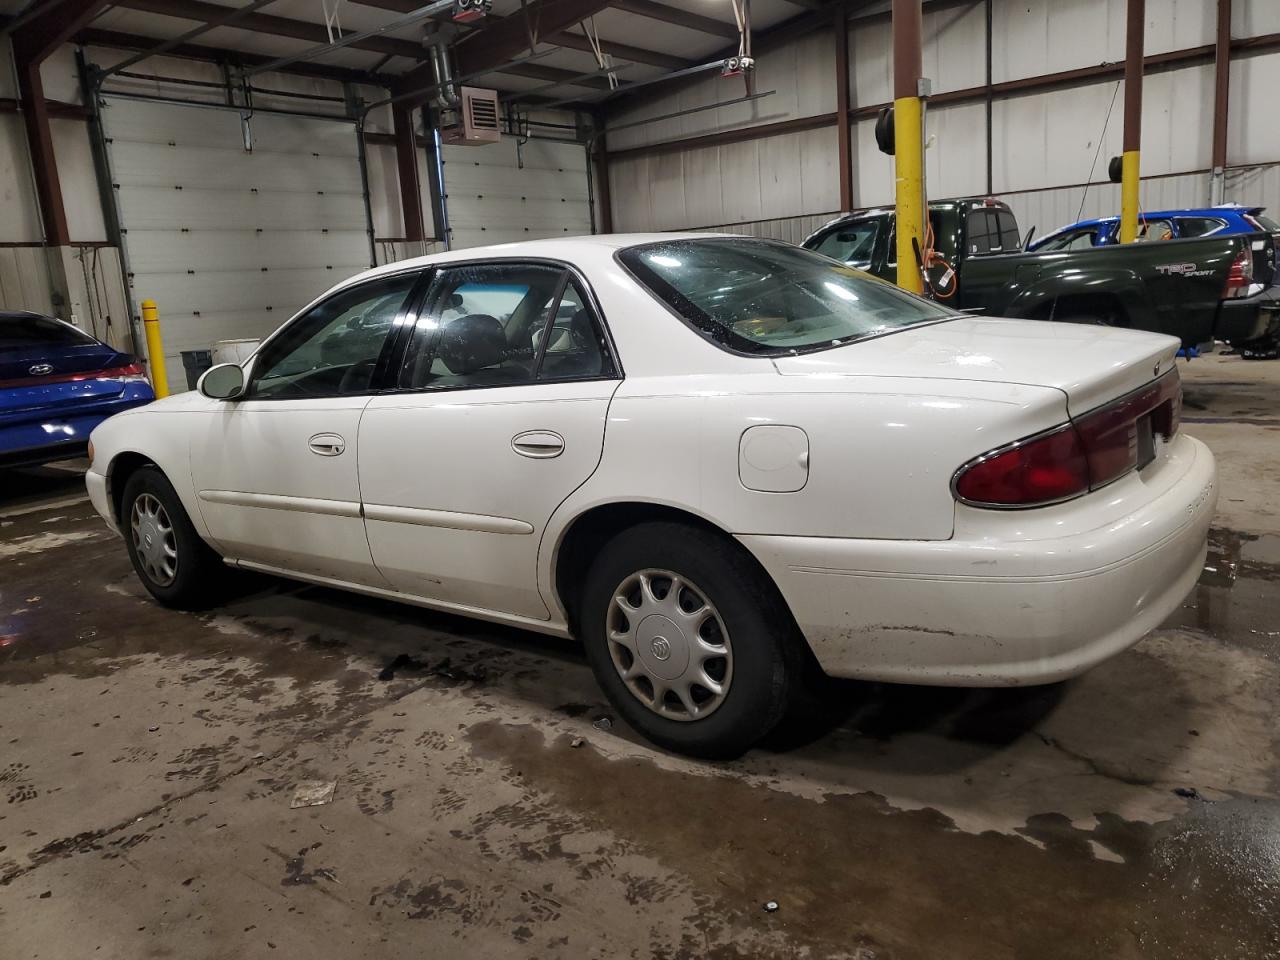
[555,248]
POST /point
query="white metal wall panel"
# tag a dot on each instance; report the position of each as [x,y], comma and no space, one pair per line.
[230,242]
[1177,120]
[504,191]
[81,198]
[1050,139]
[872,170]
[24,280]
[800,72]
[1254,18]
[19,214]
[1252,134]
[953,53]
[789,174]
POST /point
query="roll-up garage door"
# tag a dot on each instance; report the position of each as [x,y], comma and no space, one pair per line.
[231,242]
[506,191]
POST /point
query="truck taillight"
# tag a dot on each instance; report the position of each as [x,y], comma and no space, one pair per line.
[1076,457]
[1240,276]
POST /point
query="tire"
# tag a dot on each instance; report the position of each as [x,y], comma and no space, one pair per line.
[747,619]
[197,573]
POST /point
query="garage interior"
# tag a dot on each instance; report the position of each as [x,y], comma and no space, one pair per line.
[231,161]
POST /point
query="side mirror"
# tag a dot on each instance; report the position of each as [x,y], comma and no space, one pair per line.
[223,382]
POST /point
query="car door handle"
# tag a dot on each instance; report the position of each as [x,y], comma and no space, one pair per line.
[327,444]
[539,444]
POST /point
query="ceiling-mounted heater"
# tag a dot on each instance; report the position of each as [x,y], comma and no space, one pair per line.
[476,119]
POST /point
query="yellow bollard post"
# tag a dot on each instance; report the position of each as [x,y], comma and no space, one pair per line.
[155,349]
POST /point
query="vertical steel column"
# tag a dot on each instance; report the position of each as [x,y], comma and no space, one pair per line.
[908,125]
[1131,167]
[600,156]
[991,187]
[407,168]
[840,24]
[1222,80]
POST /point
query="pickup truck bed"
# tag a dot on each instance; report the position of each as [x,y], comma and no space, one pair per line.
[1177,287]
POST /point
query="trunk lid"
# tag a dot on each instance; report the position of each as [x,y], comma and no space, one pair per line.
[1090,364]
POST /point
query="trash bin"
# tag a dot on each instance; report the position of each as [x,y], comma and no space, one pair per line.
[195,362]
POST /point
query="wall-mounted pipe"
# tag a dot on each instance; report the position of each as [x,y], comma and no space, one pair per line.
[446,97]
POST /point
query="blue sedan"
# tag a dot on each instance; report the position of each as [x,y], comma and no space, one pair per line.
[56,384]
[1164,225]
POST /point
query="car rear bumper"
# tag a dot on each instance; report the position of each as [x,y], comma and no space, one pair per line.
[1240,321]
[987,611]
[59,434]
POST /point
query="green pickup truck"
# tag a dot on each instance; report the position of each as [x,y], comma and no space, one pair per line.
[1200,289]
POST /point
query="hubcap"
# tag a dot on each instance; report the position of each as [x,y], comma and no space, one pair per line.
[669,645]
[153,540]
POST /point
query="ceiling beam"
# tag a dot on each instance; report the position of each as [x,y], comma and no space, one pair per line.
[536,71]
[507,38]
[266,23]
[678,16]
[620,51]
[194,51]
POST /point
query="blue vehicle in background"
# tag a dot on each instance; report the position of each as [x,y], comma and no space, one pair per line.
[56,384]
[1165,225]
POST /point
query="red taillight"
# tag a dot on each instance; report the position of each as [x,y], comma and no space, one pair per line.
[1041,470]
[132,371]
[1240,276]
[1075,458]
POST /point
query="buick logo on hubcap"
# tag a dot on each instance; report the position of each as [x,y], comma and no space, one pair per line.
[40,369]
[661,648]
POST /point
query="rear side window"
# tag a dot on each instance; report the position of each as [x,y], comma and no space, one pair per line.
[1199,226]
[992,231]
[1009,239]
[27,330]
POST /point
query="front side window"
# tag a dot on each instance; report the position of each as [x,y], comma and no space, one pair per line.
[772,299]
[333,349]
[1155,230]
[852,243]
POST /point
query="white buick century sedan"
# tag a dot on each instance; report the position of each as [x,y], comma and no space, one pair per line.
[718,462]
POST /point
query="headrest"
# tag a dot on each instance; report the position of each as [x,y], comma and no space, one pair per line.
[472,343]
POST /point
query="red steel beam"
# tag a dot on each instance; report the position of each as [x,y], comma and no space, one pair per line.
[196,51]
[680,17]
[201,11]
[1222,80]
[33,42]
[407,168]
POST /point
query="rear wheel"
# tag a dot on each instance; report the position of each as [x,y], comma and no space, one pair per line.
[173,563]
[689,639]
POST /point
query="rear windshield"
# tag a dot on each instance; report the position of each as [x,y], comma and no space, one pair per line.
[770,298]
[31,331]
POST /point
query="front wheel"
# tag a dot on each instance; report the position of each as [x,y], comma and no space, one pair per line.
[173,563]
[689,639]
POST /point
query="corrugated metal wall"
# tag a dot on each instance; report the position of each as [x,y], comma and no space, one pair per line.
[1045,144]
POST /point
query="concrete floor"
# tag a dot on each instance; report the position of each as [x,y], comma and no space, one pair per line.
[149,758]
